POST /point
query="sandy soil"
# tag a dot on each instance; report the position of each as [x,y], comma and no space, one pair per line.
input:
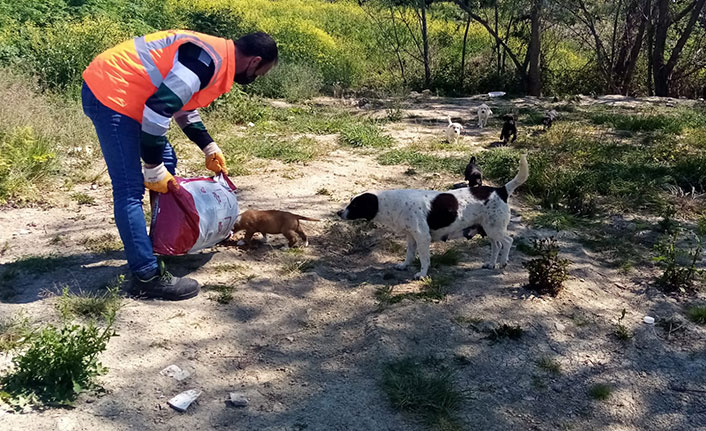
[307,348]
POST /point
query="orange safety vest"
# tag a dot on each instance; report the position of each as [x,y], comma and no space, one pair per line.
[125,76]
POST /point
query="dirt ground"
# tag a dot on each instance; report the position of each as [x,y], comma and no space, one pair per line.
[307,347]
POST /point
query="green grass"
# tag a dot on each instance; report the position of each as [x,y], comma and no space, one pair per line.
[83,199]
[622,332]
[27,159]
[271,148]
[450,257]
[364,135]
[697,314]
[92,305]
[293,262]
[674,122]
[223,293]
[600,391]
[549,365]
[425,390]
[423,162]
[103,243]
[12,331]
[432,289]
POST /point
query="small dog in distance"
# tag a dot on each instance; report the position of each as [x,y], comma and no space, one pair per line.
[453,132]
[484,113]
[549,118]
[509,129]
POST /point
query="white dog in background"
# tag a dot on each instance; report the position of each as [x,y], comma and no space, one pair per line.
[484,113]
[453,132]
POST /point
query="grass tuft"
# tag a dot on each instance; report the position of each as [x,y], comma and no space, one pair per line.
[92,305]
[104,243]
[549,364]
[223,292]
[697,314]
[424,390]
[83,199]
[364,135]
[600,391]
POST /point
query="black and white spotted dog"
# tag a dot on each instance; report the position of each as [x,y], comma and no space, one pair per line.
[425,216]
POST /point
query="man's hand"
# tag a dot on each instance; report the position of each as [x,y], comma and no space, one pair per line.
[157,178]
[214,159]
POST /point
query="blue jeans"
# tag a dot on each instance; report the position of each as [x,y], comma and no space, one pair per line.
[119,137]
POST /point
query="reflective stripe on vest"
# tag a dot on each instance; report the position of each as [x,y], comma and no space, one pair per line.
[123,77]
[143,49]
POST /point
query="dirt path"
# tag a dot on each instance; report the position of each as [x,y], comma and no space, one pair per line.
[307,346]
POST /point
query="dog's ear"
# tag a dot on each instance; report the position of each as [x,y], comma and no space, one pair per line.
[473,160]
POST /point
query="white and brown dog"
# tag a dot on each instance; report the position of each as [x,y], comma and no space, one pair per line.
[484,113]
[425,216]
[453,132]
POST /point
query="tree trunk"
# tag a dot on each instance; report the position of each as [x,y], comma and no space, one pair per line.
[650,51]
[534,78]
[662,71]
[463,54]
[425,41]
[497,44]
[398,45]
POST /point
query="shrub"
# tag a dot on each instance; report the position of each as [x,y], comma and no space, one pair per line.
[25,161]
[293,82]
[57,365]
[548,271]
[679,263]
[697,314]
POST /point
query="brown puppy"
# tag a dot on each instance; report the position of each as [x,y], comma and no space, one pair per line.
[271,222]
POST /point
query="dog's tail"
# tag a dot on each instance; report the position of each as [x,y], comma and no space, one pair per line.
[449,117]
[521,176]
[305,218]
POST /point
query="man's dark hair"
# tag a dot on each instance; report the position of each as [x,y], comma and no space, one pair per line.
[258,44]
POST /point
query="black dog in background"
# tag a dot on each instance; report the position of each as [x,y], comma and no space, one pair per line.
[472,174]
[509,129]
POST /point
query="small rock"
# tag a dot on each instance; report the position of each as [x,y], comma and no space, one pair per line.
[582,280]
[560,327]
[94,186]
[556,388]
[516,219]
[289,338]
[174,371]
[237,399]
[24,231]
[649,320]
[251,124]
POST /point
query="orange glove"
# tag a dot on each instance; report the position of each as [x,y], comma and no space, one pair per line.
[214,159]
[158,179]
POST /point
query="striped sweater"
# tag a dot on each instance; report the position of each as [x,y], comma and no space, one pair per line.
[193,69]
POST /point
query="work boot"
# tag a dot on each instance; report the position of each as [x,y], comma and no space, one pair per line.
[165,286]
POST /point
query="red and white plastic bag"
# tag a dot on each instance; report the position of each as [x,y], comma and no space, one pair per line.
[198,215]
